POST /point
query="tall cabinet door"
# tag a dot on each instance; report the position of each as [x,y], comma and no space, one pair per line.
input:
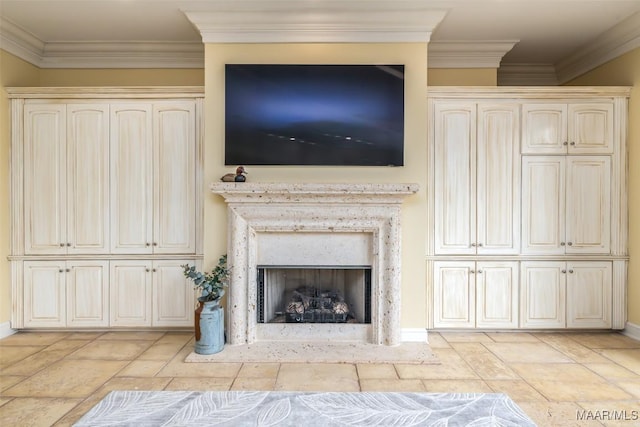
[45,184]
[498,179]
[174,178]
[44,294]
[455,178]
[454,288]
[131,178]
[588,204]
[87,293]
[543,204]
[88,178]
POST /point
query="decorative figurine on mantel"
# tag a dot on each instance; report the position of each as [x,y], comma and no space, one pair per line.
[235,177]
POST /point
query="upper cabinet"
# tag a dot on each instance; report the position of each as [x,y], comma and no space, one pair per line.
[574,128]
[66,178]
[477,178]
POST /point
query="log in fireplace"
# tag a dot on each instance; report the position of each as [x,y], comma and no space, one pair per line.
[326,294]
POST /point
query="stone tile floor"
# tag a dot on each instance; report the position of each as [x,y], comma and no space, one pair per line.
[558,379]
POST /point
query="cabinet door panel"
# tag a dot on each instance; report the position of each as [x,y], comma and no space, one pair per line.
[544,128]
[45,179]
[88,293]
[542,302]
[44,294]
[497,295]
[588,204]
[455,176]
[88,178]
[173,295]
[454,288]
[175,186]
[543,201]
[131,298]
[498,180]
[131,177]
[591,128]
[589,294]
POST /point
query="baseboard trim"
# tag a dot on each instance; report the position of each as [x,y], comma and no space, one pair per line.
[5,330]
[414,335]
[632,331]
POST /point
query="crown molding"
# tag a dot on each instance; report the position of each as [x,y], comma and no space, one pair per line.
[294,21]
[527,75]
[26,46]
[468,54]
[609,45]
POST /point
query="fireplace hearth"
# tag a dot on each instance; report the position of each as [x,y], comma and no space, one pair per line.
[314,226]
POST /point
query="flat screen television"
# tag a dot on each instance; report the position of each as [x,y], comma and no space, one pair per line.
[346,115]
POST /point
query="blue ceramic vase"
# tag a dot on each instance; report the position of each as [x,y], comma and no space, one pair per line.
[209,328]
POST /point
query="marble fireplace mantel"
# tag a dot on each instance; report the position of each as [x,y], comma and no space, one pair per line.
[314,224]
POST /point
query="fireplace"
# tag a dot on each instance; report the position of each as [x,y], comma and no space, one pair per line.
[319,294]
[351,231]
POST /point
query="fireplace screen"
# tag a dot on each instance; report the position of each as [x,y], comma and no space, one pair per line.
[314,295]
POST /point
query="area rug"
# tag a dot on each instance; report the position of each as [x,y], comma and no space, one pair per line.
[312,352]
[328,409]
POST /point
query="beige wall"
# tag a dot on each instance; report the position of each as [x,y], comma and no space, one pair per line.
[13,72]
[413,55]
[462,77]
[625,71]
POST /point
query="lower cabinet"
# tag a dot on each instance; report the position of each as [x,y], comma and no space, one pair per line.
[150,293]
[66,293]
[479,294]
[572,294]
[131,293]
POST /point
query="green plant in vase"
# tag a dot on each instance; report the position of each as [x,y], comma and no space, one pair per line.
[212,283]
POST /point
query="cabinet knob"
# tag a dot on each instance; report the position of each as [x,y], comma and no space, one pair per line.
[570,244]
[61,245]
[565,143]
[562,243]
[564,271]
[61,271]
[147,244]
[154,270]
[471,271]
[68,244]
[473,245]
[571,271]
[155,244]
[147,270]
[573,143]
[68,270]
[479,271]
[479,244]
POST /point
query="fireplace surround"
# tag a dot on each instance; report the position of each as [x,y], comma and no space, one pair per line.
[313,224]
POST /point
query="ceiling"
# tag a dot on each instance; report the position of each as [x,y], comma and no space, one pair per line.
[527,35]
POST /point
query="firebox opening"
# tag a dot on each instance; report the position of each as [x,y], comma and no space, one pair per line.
[326,294]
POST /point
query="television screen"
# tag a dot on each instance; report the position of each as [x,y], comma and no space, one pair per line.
[314,115]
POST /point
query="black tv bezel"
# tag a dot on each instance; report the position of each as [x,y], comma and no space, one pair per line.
[389,154]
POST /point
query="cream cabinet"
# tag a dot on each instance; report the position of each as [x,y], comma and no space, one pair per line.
[573,128]
[150,293]
[153,171]
[66,178]
[476,294]
[477,178]
[574,294]
[66,293]
[106,188]
[566,204]
[527,216]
